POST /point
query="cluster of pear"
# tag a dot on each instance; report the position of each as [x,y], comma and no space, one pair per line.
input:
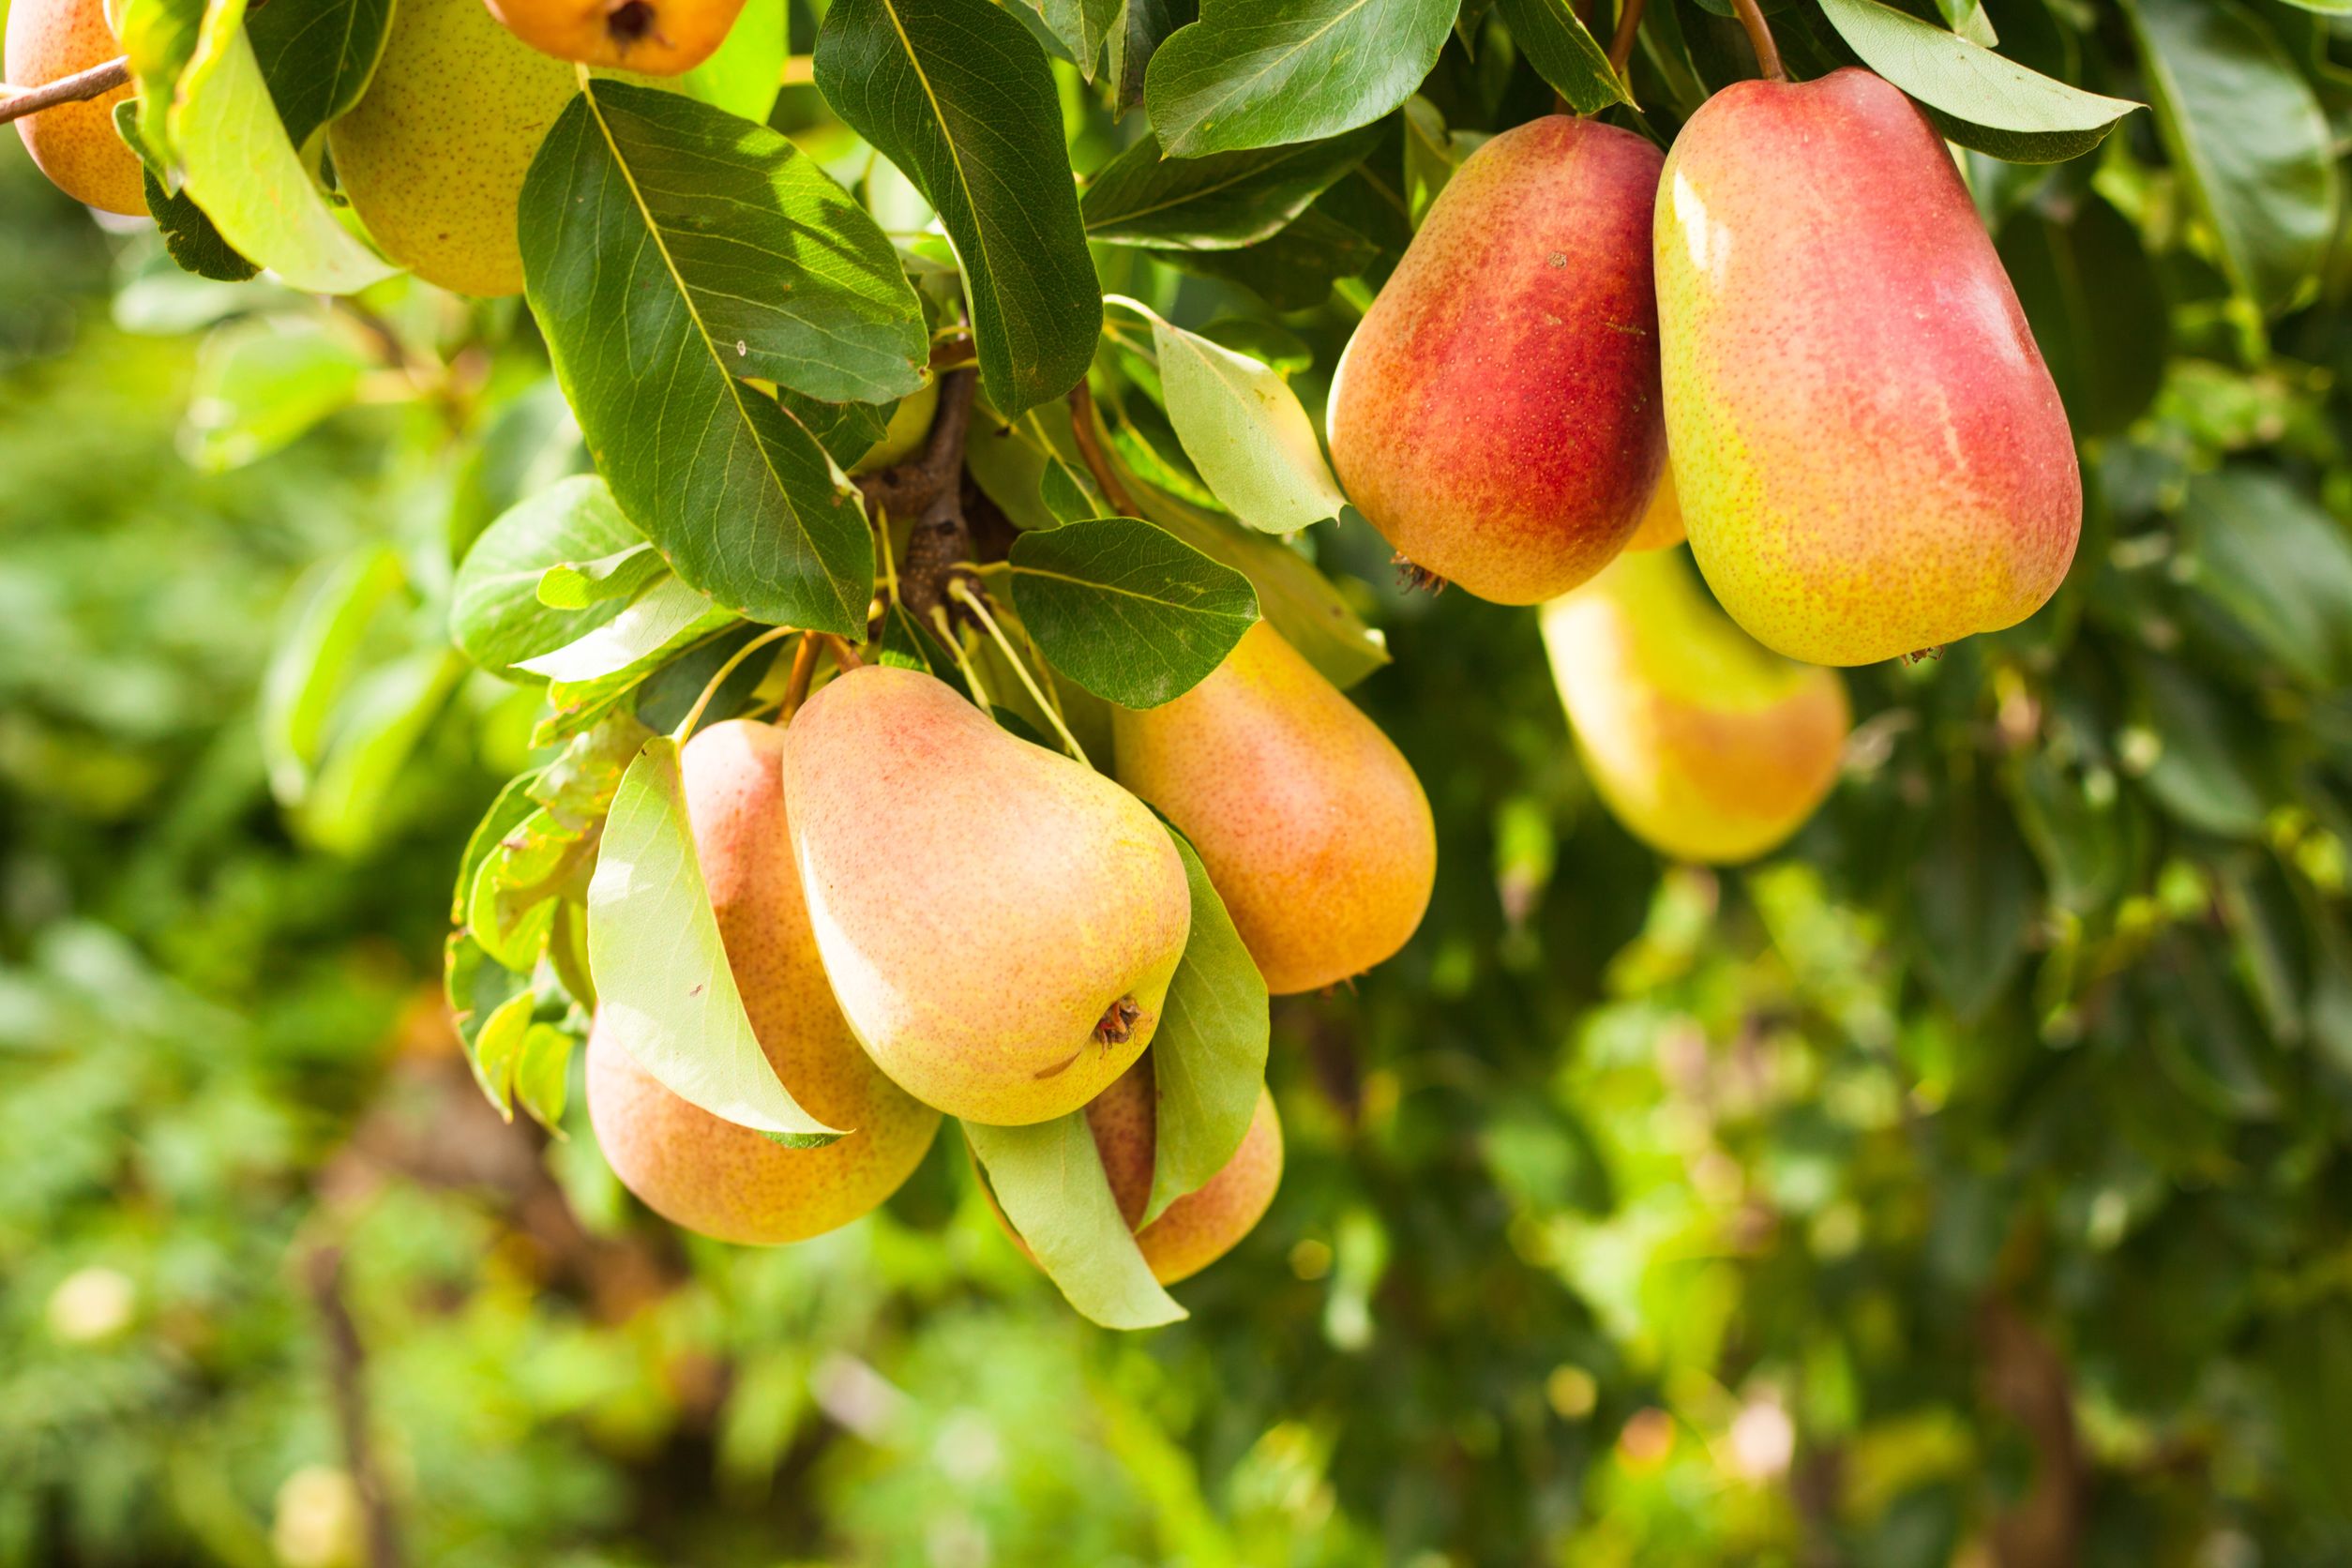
[1790,336]
[926,914]
[434,156]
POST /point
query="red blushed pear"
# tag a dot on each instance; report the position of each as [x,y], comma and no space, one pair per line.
[1871,456]
[1496,413]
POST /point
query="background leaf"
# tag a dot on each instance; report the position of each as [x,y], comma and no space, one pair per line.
[1217,203]
[1126,609]
[2096,310]
[1048,1179]
[1257,73]
[1208,1053]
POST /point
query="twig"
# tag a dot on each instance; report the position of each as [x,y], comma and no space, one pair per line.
[978,605]
[908,487]
[82,84]
[1090,447]
[346,1374]
[1622,45]
[1760,40]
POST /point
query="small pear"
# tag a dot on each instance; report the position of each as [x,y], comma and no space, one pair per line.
[695,1169]
[433,155]
[998,922]
[910,427]
[1203,1225]
[1309,820]
[1662,524]
[1872,457]
[652,37]
[1704,744]
[75,143]
[1496,413]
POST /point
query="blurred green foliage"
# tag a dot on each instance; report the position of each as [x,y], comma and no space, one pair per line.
[1967,1183]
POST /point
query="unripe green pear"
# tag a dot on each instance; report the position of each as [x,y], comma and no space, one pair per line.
[697,1170]
[1496,413]
[433,155]
[75,143]
[1872,458]
[998,922]
[1705,745]
[1311,825]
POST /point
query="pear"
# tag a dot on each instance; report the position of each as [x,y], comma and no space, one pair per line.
[1662,524]
[75,145]
[1872,458]
[1203,1225]
[998,922]
[433,155]
[910,427]
[1704,744]
[1496,413]
[711,1175]
[652,37]
[1309,820]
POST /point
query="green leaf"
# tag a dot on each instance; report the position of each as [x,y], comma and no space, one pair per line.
[492,1008]
[189,236]
[958,95]
[312,663]
[1432,153]
[1126,609]
[666,616]
[2278,564]
[1142,26]
[578,584]
[1080,26]
[496,614]
[745,73]
[1245,430]
[652,312]
[664,990]
[542,1074]
[159,40]
[1047,1177]
[506,813]
[1257,73]
[1208,1053]
[376,730]
[1972,901]
[1563,52]
[2096,310]
[261,382]
[2207,771]
[246,176]
[1217,203]
[317,56]
[2250,140]
[1292,271]
[1976,98]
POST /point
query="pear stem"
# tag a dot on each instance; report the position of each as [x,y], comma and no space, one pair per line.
[796,686]
[1090,446]
[735,662]
[844,656]
[962,592]
[1760,40]
[1622,45]
[81,84]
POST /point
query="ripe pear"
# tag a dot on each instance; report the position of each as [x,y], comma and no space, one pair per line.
[998,922]
[695,1169]
[1662,524]
[1706,745]
[433,155]
[1203,1225]
[652,37]
[75,143]
[1309,820]
[1872,458]
[1496,413]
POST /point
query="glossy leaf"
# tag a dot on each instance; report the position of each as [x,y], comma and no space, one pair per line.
[1142,26]
[665,616]
[1126,609]
[1563,52]
[1048,1181]
[317,56]
[1259,73]
[1217,203]
[652,314]
[1080,26]
[957,94]
[664,990]
[1208,1053]
[496,614]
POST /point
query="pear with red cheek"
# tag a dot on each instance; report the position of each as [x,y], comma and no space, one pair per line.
[700,1170]
[1706,745]
[1496,413]
[1872,458]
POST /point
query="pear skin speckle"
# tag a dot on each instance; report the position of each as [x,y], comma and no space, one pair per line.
[75,143]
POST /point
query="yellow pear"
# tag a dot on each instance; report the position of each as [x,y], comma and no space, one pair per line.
[1309,820]
[711,1175]
[433,155]
[1662,524]
[1706,745]
[1205,1224]
[998,922]
[652,37]
[75,143]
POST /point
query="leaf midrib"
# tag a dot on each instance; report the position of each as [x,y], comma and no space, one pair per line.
[1239,83]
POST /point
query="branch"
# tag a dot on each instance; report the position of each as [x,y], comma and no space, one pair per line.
[94,82]
[1090,447]
[346,1374]
[2024,1376]
[911,486]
